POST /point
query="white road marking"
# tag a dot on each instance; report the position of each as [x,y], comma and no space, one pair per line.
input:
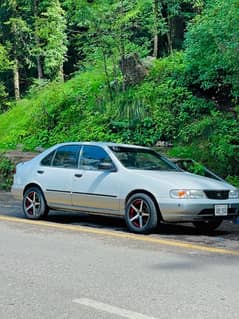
[111,309]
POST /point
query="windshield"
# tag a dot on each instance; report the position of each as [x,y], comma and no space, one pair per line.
[142,158]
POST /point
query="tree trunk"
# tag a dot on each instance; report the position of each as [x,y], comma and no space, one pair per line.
[169,42]
[156,46]
[107,74]
[122,41]
[38,58]
[169,36]
[61,73]
[39,68]
[16,81]
[156,32]
[122,36]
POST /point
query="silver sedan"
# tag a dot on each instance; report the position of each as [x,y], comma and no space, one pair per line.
[121,180]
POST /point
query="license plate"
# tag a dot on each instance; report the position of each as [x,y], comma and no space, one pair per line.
[221,210]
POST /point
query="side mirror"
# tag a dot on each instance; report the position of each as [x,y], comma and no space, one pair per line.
[107,167]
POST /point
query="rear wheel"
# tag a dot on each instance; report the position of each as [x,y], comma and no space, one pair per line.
[207,226]
[34,204]
[141,214]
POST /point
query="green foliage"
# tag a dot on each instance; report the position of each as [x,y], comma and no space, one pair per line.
[141,132]
[214,142]
[4,104]
[160,108]
[58,113]
[212,47]
[197,168]
[51,34]
[6,172]
[14,29]
[177,102]
[234,180]
[4,66]
[4,61]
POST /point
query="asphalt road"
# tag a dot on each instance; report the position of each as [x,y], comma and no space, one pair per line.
[77,266]
[226,236]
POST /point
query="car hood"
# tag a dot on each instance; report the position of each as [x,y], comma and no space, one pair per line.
[184,180]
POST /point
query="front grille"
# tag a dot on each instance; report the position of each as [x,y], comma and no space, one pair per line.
[217,194]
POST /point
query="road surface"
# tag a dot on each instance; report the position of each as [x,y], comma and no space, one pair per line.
[80,267]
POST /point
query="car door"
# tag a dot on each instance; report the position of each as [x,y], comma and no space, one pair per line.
[55,175]
[96,189]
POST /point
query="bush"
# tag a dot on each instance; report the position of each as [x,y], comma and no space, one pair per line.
[213,141]
[234,180]
[212,47]
[159,108]
[6,173]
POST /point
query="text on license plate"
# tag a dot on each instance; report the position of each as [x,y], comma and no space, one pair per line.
[221,210]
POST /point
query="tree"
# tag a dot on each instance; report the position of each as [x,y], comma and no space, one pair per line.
[212,48]
[15,32]
[37,46]
[51,39]
[170,18]
[4,66]
[4,61]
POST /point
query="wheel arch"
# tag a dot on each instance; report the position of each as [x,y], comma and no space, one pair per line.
[32,185]
[135,191]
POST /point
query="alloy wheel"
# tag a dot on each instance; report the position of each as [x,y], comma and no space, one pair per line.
[32,204]
[139,213]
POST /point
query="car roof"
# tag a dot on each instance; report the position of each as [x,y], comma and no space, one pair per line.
[107,144]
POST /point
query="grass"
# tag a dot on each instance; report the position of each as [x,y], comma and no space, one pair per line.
[56,105]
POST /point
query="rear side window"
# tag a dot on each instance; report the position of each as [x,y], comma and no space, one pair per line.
[46,161]
[65,156]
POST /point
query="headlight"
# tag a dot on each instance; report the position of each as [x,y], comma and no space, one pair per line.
[233,194]
[187,193]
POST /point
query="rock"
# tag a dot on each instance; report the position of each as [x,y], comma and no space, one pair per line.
[132,69]
[148,61]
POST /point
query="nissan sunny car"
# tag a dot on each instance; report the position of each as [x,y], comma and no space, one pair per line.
[128,181]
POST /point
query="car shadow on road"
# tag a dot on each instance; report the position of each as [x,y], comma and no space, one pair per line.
[118,224]
[186,229]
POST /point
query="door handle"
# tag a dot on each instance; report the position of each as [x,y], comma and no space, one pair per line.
[40,172]
[78,175]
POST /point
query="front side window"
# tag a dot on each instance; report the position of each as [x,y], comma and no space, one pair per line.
[92,157]
[143,159]
[66,156]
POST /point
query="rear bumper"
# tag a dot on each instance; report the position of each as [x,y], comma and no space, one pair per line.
[193,210]
[17,192]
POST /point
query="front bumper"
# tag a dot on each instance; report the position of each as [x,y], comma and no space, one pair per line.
[189,210]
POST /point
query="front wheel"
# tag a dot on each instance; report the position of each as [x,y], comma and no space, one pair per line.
[141,214]
[34,204]
[207,226]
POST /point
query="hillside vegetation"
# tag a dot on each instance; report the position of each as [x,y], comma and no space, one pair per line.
[186,95]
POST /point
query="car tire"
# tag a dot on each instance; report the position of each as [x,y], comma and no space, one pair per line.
[34,204]
[207,226]
[141,214]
